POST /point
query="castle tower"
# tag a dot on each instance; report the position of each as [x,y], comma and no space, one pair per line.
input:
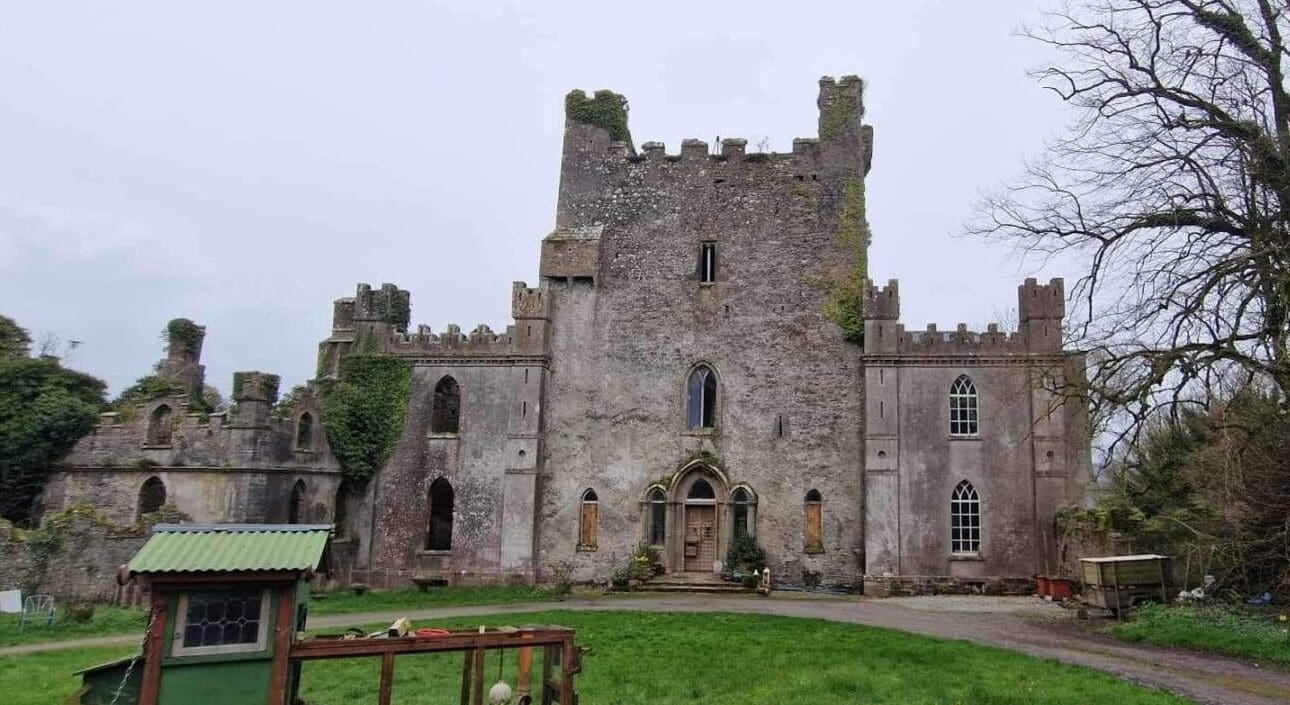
[1040,308]
[182,363]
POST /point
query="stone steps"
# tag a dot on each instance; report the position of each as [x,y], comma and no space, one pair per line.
[705,587]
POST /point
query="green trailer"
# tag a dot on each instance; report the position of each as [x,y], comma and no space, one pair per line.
[1119,582]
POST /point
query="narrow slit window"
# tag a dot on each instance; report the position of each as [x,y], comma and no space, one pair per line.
[657,517]
[814,522]
[589,521]
[741,512]
[439,536]
[708,262]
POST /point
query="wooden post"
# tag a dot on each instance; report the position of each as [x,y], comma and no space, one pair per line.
[387,678]
[150,685]
[466,669]
[1115,580]
[1164,593]
[284,628]
[479,676]
[566,678]
[523,684]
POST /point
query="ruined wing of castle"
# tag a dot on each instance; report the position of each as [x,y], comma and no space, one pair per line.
[702,359]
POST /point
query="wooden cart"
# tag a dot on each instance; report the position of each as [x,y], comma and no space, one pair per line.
[1119,582]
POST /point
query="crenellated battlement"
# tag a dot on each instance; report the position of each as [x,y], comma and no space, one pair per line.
[480,341]
[1037,301]
[529,302]
[1042,307]
[389,304]
[882,302]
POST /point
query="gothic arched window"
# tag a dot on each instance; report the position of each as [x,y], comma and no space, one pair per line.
[963,407]
[965,520]
[589,520]
[439,536]
[740,500]
[701,407]
[445,414]
[152,496]
[296,506]
[657,517]
[161,425]
[304,431]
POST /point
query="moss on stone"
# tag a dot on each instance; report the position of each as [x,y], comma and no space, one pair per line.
[606,109]
[844,301]
[839,113]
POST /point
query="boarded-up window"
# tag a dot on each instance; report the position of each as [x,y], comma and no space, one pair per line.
[590,520]
[814,522]
[439,537]
[445,415]
[151,496]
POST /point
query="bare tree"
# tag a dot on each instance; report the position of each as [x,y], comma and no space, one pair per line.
[1171,189]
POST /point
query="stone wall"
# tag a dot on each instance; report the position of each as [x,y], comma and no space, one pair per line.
[74,555]
[631,321]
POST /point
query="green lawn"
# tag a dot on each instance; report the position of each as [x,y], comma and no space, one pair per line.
[1225,630]
[345,602]
[110,621]
[107,620]
[708,659]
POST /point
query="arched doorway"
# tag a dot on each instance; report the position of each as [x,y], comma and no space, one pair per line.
[700,540]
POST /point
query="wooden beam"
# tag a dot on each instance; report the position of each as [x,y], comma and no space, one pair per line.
[457,641]
[284,627]
[387,679]
[479,676]
[154,644]
[466,669]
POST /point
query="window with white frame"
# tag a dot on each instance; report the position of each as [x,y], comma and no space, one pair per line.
[965,520]
[221,621]
[708,262]
[963,407]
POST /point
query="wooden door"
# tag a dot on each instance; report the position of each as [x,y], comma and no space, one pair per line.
[700,538]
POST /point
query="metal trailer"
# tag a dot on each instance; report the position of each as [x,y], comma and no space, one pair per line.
[1117,583]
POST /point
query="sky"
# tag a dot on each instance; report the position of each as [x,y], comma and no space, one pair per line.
[244,164]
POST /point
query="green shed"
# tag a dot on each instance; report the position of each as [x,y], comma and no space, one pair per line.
[226,603]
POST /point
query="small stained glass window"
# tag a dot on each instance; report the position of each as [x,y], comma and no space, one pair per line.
[223,620]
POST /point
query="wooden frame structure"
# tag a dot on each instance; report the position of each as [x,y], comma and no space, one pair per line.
[562,659]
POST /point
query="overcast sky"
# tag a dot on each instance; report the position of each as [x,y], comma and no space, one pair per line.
[244,164]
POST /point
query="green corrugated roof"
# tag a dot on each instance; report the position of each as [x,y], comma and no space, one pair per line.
[194,548]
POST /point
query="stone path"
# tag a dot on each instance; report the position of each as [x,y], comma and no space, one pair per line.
[1020,624]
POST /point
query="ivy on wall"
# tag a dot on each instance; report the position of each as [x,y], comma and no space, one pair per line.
[605,109]
[364,412]
[844,301]
[840,113]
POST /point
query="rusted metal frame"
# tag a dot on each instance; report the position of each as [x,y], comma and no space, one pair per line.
[150,686]
[283,629]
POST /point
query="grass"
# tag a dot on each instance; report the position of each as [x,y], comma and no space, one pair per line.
[112,621]
[345,602]
[1220,629]
[106,621]
[692,659]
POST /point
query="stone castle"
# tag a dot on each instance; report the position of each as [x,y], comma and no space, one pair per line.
[701,358]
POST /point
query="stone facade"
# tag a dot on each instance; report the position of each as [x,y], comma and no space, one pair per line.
[573,431]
